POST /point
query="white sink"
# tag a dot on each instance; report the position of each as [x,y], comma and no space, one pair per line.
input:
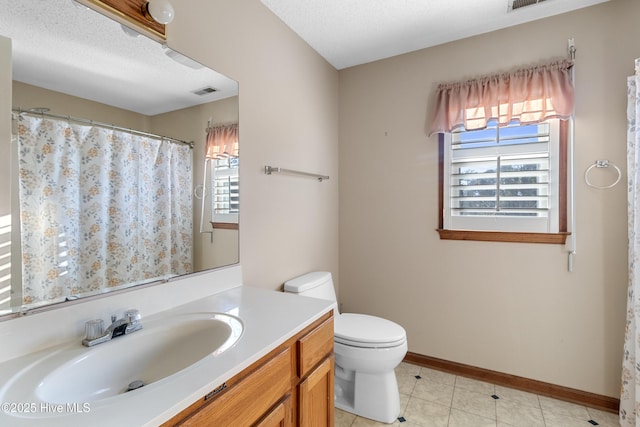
[161,349]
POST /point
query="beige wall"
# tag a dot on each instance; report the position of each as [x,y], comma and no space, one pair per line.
[27,96]
[288,118]
[508,307]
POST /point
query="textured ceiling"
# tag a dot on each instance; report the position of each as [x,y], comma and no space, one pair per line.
[63,46]
[353,32]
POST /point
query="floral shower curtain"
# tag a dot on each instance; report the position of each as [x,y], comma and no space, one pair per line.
[630,395]
[100,208]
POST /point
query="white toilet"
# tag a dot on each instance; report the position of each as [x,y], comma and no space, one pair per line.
[367,350]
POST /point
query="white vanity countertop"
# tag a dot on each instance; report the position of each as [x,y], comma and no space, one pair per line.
[269,319]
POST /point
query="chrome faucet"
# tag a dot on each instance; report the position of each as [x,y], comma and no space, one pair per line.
[96,334]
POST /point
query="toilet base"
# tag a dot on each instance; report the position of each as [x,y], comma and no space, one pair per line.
[373,396]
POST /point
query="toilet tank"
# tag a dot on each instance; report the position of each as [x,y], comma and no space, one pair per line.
[317,284]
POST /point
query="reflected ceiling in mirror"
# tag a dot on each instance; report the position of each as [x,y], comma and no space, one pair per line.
[64,46]
[67,48]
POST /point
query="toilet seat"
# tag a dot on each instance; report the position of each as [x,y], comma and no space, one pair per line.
[362,330]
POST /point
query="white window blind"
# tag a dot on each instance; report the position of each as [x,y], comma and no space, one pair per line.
[226,194]
[503,178]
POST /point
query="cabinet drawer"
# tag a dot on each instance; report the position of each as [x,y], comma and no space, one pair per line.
[314,347]
[244,403]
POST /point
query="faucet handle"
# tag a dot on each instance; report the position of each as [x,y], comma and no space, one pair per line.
[94,329]
[132,316]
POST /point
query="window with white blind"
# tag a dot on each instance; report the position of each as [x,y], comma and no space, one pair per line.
[226,196]
[504,179]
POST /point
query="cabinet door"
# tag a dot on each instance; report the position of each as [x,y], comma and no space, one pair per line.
[316,396]
[245,403]
[280,416]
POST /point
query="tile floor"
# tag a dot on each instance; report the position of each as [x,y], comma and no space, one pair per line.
[438,399]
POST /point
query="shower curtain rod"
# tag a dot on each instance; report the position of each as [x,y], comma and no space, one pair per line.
[39,112]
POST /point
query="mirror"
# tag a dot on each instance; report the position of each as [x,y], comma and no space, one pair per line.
[78,64]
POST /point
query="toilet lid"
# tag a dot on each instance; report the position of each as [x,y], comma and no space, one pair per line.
[362,330]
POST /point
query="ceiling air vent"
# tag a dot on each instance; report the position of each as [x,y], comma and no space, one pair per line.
[517,4]
[205,91]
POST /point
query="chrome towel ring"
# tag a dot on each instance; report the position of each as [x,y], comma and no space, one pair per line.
[602,164]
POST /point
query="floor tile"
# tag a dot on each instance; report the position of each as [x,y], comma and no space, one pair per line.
[439,399]
[426,414]
[475,385]
[406,381]
[518,415]
[404,400]
[557,420]
[343,418]
[364,422]
[517,396]
[409,368]
[460,418]
[433,392]
[563,408]
[438,376]
[604,419]
[481,404]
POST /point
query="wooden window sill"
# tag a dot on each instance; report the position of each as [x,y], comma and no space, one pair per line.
[225,225]
[502,236]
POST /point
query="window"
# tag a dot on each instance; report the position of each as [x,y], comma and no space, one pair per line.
[504,177]
[226,196]
[505,183]
[222,156]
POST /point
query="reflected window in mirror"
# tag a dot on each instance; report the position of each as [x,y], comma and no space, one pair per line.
[226,191]
[222,149]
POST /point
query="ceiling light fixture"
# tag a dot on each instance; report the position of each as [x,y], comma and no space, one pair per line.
[130,31]
[160,11]
[181,59]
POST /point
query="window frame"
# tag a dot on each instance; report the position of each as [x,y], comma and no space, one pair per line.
[511,236]
[228,221]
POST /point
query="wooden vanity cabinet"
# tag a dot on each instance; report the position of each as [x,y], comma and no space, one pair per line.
[290,386]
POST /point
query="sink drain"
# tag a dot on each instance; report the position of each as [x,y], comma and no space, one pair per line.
[134,385]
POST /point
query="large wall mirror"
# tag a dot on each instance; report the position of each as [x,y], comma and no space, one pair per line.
[123,159]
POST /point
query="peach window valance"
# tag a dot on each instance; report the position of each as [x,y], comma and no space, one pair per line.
[222,141]
[528,95]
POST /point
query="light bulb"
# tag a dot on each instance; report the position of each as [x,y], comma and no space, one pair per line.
[160,10]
